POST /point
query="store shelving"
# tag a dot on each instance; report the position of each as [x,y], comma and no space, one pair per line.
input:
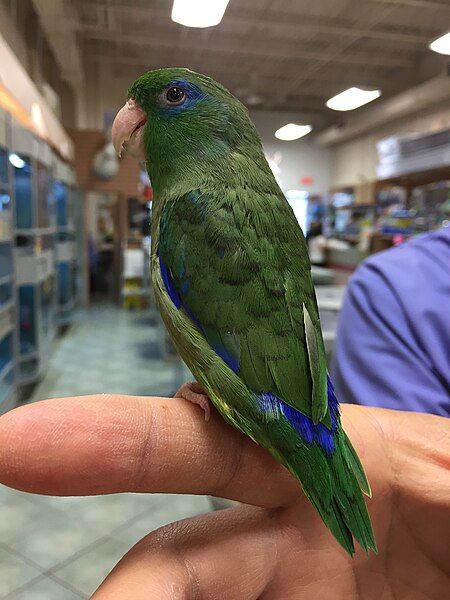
[37,241]
[8,329]
[35,230]
[66,247]
[135,277]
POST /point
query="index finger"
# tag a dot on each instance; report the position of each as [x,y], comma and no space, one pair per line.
[107,444]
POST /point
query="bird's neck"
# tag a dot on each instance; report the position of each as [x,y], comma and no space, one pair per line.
[240,167]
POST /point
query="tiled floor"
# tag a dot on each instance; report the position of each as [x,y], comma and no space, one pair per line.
[115,351]
[62,548]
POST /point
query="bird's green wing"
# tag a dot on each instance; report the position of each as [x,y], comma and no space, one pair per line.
[236,262]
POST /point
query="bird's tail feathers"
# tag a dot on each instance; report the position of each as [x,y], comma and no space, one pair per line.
[335,487]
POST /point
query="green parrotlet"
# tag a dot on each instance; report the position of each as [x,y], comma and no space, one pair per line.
[232,280]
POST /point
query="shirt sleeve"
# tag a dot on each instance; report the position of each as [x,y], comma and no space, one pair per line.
[378,360]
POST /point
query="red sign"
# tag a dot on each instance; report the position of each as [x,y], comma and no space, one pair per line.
[306,180]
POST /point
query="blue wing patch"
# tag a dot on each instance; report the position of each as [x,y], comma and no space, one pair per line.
[179,300]
[168,283]
[303,425]
[226,356]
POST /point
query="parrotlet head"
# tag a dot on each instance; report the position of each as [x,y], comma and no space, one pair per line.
[171,113]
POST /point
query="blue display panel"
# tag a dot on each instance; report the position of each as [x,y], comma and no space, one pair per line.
[29,368]
[47,308]
[6,352]
[24,194]
[64,283]
[5,294]
[45,209]
[27,319]
[60,191]
[5,386]
[4,167]
[6,261]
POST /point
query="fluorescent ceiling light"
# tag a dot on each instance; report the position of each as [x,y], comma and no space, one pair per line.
[16,161]
[441,45]
[352,98]
[291,131]
[198,13]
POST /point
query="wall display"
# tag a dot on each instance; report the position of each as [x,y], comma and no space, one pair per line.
[7,305]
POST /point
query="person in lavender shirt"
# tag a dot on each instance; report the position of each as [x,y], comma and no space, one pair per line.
[393,339]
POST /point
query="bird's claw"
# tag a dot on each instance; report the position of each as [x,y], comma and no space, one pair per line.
[193,392]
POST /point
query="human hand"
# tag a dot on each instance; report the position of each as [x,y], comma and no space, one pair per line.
[277,549]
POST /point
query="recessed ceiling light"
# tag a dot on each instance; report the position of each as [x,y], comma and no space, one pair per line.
[441,44]
[198,13]
[291,131]
[352,98]
[16,161]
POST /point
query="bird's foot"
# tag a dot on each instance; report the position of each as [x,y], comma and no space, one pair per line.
[194,392]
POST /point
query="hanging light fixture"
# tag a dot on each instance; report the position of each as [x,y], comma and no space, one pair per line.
[16,161]
[291,131]
[441,44]
[352,98]
[198,13]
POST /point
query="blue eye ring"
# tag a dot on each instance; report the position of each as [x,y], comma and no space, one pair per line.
[175,95]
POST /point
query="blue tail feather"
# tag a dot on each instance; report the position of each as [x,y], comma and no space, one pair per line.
[305,427]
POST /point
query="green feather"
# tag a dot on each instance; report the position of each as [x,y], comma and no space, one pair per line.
[357,467]
[238,259]
[317,365]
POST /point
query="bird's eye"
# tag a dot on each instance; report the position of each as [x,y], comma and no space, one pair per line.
[175,95]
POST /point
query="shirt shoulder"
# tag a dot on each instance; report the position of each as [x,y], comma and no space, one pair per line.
[412,261]
[409,287]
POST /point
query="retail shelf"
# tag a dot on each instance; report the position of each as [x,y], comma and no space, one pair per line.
[5,279]
[36,268]
[29,379]
[66,313]
[34,257]
[136,292]
[28,355]
[6,306]
[8,398]
[6,329]
[68,305]
[8,325]
[36,224]
[6,370]
[417,178]
[66,251]
[35,231]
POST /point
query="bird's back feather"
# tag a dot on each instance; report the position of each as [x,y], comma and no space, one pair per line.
[238,274]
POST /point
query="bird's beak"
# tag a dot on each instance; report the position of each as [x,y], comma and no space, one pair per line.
[128,128]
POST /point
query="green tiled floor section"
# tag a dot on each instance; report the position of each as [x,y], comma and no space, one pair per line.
[114,351]
[62,548]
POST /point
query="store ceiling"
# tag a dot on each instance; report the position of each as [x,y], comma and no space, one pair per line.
[274,54]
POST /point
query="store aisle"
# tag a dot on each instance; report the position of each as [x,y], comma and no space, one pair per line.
[111,350]
[62,548]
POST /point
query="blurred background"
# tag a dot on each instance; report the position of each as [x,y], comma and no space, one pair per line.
[351,99]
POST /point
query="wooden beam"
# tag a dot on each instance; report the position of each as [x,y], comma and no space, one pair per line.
[427,4]
[335,75]
[238,45]
[291,22]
